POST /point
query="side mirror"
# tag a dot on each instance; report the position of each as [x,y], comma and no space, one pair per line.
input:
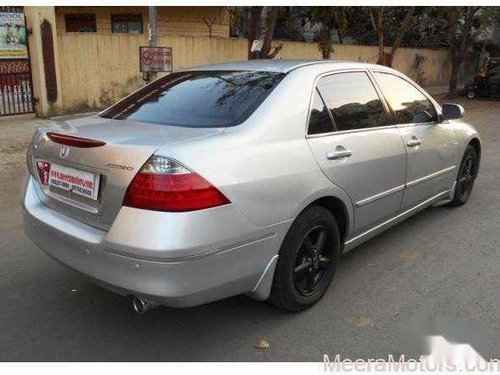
[452,111]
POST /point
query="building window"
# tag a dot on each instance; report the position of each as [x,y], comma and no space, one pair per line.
[80,23]
[126,23]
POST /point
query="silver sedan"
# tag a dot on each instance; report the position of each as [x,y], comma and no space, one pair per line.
[249,177]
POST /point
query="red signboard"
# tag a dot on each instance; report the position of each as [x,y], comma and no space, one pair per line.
[155,59]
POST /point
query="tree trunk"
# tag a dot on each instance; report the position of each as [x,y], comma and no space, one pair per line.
[459,49]
[378,28]
[388,58]
[268,36]
[253,30]
[380,37]
[341,36]
[460,46]
[399,37]
[324,42]
[452,88]
[456,63]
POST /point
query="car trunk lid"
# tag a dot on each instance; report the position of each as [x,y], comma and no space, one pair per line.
[107,152]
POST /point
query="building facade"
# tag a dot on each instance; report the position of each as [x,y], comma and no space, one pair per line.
[174,21]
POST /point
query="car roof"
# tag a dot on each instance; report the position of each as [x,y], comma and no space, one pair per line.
[280,66]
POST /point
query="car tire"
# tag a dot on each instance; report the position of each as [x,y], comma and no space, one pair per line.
[466,177]
[470,94]
[307,260]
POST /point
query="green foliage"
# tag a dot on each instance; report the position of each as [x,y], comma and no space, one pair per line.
[331,18]
[419,68]
[430,27]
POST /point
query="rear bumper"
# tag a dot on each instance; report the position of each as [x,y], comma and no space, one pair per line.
[174,271]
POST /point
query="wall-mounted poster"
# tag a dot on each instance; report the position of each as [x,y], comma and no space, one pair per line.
[13,38]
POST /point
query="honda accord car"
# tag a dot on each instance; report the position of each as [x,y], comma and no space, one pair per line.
[243,178]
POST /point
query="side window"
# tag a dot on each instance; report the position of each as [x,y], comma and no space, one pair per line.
[319,119]
[408,103]
[352,101]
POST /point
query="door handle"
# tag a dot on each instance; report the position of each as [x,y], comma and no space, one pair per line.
[340,152]
[413,141]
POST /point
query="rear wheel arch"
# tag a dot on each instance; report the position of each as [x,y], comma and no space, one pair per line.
[341,214]
[338,209]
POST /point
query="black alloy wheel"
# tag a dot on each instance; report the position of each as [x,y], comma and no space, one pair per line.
[307,260]
[312,261]
[466,176]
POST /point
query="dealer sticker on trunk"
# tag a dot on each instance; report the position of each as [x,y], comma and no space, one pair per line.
[82,183]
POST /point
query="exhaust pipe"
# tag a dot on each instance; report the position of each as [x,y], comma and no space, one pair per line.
[140,306]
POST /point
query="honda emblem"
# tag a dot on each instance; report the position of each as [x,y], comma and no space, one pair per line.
[64,152]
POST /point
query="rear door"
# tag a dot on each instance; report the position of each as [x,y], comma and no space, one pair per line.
[358,151]
[431,145]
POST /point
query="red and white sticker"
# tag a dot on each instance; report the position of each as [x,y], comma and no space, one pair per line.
[78,182]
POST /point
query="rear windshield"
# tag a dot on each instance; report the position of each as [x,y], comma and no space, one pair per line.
[197,99]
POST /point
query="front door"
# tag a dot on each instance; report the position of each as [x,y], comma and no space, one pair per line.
[359,153]
[431,146]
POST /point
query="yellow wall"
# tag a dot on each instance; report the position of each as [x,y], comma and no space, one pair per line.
[437,64]
[97,69]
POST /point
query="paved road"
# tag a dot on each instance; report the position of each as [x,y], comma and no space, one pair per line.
[442,262]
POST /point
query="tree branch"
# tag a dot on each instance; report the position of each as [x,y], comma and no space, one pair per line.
[380,25]
[268,36]
[380,36]
[210,24]
[372,19]
[253,28]
[401,31]
[276,50]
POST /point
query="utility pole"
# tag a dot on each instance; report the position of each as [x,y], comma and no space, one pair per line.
[152,34]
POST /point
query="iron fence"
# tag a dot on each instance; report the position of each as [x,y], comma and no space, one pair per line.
[16,95]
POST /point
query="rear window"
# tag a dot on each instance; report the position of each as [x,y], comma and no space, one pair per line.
[197,99]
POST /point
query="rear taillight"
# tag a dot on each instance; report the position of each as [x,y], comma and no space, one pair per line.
[43,169]
[165,185]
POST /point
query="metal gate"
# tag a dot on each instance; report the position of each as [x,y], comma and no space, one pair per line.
[16,86]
